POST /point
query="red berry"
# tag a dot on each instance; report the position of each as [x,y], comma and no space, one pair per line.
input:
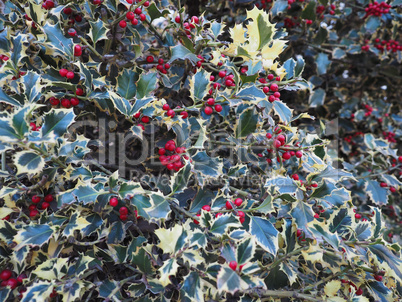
[228,205]
[314,185]
[273,87]
[123,211]
[63,72]
[150,59]
[400,159]
[218,108]
[65,103]
[77,50]
[146,4]
[122,23]
[233,265]
[13,283]
[167,66]
[299,154]
[170,166]
[211,101]
[359,292]
[45,205]
[49,198]
[208,110]
[195,19]
[242,216]
[295,177]
[70,75]
[184,114]
[218,214]
[162,151]
[222,73]
[265,89]
[134,22]
[130,15]
[299,232]
[165,107]
[137,115]
[316,216]
[123,217]
[286,156]
[72,32]
[378,278]
[74,101]
[383,185]
[113,201]
[35,199]
[32,207]
[145,119]
[33,126]
[277,144]
[138,11]
[206,208]
[142,17]
[238,202]
[67,10]
[177,19]
[6,274]
[268,135]
[21,277]
[281,138]
[270,77]
[171,113]
[33,213]
[358,216]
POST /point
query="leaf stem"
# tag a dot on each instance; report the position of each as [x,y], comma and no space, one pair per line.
[90,47]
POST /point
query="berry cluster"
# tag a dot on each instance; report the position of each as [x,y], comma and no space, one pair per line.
[278,143]
[321,9]
[34,127]
[349,138]
[7,280]
[144,119]
[162,66]
[233,265]
[171,113]
[208,110]
[266,4]
[4,58]
[390,45]
[66,73]
[188,26]
[33,208]
[389,136]
[48,4]
[123,211]
[377,9]
[237,203]
[131,16]
[172,157]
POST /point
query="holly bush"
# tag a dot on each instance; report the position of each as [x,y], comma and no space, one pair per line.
[151,155]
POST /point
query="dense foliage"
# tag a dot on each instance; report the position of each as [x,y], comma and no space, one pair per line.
[245,154]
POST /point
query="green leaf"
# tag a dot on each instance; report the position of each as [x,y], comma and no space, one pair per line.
[141,260]
[7,132]
[247,123]
[142,202]
[283,111]
[303,214]
[32,86]
[57,40]
[57,122]
[154,12]
[284,185]
[139,104]
[321,36]
[180,179]
[5,98]
[160,209]
[35,235]
[86,194]
[372,24]
[126,84]
[299,66]
[146,84]
[28,162]
[376,193]
[279,7]
[180,52]
[264,31]
[205,166]
[5,292]
[37,291]
[331,175]
[18,49]
[265,234]
[199,85]
[192,287]
[229,281]
[383,254]
[245,251]
[204,197]
[121,104]
[289,66]
[19,120]
[321,232]
[340,221]
[338,53]
[223,223]
[317,98]
[322,62]
[97,31]
[309,11]
[363,230]
[107,288]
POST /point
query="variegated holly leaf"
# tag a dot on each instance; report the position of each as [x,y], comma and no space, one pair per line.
[36,291]
[229,281]
[221,225]
[126,84]
[56,41]
[168,239]
[146,84]
[246,124]
[56,123]
[265,234]
[52,269]
[33,235]
[168,269]
[199,85]
[97,31]
[377,194]
[192,287]
[28,162]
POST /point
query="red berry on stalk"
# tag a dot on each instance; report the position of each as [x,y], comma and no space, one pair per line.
[281,138]
[49,198]
[13,283]
[228,205]
[72,32]
[33,213]
[74,101]
[277,144]
[222,73]
[206,208]
[67,10]
[383,185]
[162,151]
[35,199]
[123,217]
[138,11]
[70,75]
[208,110]
[392,189]
[165,107]
[177,19]
[122,23]
[167,66]
[273,87]
[150,59]
[295,177]
[130,15]
[145,119]
[400,159]
[65,103]
[195,220]
[134,22]
[21,277]
[123,211]
[378,278]
[268,135]
[6,274]
[359,292]
[299,232]
[358,216]
[146,4]
[45,205]
[316,216]
[195,19]
[211,101]
[238,202]
[270,77]
[242,216]
[265,89]
[218,108]
[142,17]
[113,201]
[184,114]
[233,265]
[286,156]
[299,154]
[63,72]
